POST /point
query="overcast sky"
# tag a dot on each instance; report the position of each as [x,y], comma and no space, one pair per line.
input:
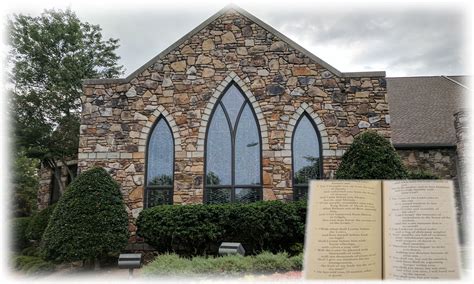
[403,39]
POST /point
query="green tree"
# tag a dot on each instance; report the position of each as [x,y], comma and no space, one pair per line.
[371,156]
[306,173]
[89,221]
[212,178]
[162,180]
[49,56]
[25,184]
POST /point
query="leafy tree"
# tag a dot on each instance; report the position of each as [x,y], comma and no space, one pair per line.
[212,178]
[49,56]
[371,156]
[89,221]
[308,172]
[26,183]
[162,180]
[216,195]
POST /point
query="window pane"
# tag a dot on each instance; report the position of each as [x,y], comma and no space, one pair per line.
[160,155]
[233,101]
[219,150]
[246,195]
[247,150]
[158,197]
[219,195]
[301,193]
[305,152]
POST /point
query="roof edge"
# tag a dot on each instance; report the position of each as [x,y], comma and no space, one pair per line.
[455,82]
[364,74]
[252,18]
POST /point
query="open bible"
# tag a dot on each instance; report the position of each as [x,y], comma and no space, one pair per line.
[369,229]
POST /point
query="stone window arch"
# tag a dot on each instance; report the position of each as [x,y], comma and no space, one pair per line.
[233,150]
[159,171]
[307,155]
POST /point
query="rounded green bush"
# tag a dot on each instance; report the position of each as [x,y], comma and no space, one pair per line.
[89,221]
[371,156]
[39,222]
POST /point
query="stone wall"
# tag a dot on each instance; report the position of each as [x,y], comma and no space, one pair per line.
[46,182]
[441,162]
[183,86]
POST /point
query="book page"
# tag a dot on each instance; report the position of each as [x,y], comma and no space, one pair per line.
[343,230]
[420,230]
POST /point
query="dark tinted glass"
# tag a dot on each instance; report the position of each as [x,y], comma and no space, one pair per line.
[305,152]
[247,150]
[219,150]
[160,155]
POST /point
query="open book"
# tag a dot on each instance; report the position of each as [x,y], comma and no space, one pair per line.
[397,229]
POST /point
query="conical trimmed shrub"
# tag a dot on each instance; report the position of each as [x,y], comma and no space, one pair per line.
[90,220]
[371,156]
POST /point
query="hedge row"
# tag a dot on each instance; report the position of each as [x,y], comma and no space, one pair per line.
[199,229]
[230,265]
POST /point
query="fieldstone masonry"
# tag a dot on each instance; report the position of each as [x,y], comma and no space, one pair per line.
[280,79]
[46,174]
[438,161]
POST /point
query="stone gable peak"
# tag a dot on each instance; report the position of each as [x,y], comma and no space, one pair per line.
[236,20]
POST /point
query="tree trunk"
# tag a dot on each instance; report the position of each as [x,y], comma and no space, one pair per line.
[53,165]
[67,168]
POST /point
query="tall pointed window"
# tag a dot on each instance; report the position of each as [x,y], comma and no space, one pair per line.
[160,165]
[233,151]
[307,162]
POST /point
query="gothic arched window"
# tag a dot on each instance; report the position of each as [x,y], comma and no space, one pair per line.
[307,157]
[160,165]
[233,151]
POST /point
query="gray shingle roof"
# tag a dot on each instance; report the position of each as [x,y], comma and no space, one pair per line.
[422,108]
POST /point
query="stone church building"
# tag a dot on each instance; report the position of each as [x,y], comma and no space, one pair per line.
[235,111]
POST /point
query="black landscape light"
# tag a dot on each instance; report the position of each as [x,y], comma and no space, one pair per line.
[130,261]
[231,248]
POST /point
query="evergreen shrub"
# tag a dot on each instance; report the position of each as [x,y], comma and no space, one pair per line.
[371,156]
[39,222]
[200,229]
[89,221]
[19,233]
[421,174]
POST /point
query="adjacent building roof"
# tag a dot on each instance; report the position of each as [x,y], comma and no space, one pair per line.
[422,108]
